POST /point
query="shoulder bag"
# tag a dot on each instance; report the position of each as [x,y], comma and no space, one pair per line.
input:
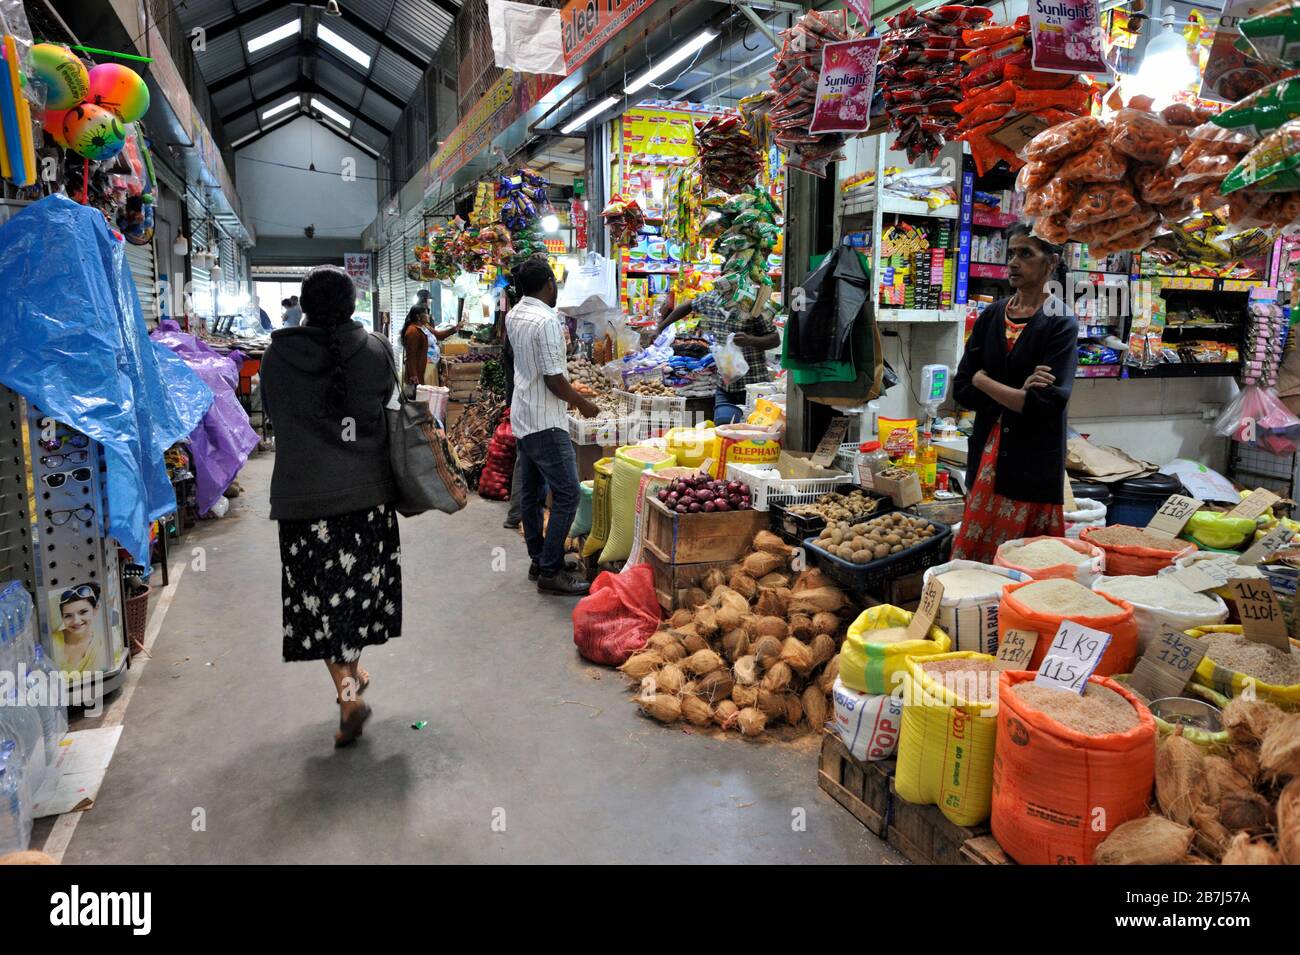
[425,469]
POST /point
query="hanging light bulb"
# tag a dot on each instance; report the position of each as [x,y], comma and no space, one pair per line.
[181,246]
[551,223]
[1166,68]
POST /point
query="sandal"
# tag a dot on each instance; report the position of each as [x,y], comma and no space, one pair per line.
[362,686]
[350,728]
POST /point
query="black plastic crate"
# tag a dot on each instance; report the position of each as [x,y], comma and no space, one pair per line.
[873,576]
[795,529]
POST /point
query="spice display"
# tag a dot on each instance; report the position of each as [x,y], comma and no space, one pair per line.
[1064,597]
[1265,663]
[1044,552]
[729,159]
[836,507]
[1100,710]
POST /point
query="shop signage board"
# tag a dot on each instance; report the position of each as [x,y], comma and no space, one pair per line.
[845,86]
[357,265]
[587,25]
[1067,36]
[1074,654]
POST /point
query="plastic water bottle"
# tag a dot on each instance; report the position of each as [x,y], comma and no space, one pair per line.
[15,799]
[53,712]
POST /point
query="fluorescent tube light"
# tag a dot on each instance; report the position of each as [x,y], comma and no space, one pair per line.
[587,115]
[327,110]
[698,42]
[348,49]
[280,108]
[275,36]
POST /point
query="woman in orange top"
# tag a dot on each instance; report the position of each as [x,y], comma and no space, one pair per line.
[420,342]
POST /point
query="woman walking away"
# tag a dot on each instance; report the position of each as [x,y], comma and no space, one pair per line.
[325,384]
[420,343]
[1016,375]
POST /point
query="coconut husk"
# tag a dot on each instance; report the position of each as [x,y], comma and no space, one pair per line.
[669,678]
[1288,823]
[751,721]
[732,569]
[1246,761]
[660,641]
[1151,840]
[775,580]
[680,618]
[827,623]
[642,664]
[767,650]
[728,618]
[773,627]
[689,688]
[816,708]
[793,709]
[1245,810]
[823,648]
[761,563]
[694,643]
[674,652]
[798,655]
[695,597]
[724,596]
[770,604]
[725,713]
[1248,720]
[812,579]
[744,584]
[1279,750]
[801,626]
[772,704]
[1245,851]
[714,579]
[745,670]
[1180,783]
[735,643]
[701,662]
[1211,836]
[817,600]
[716,685]
[772,544]
[826,682]
[662,706]
[697,711]
[777,677]
[706,622]
[743,695]
[1221,779]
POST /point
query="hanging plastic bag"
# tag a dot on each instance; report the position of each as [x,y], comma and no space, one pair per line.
[617,617]
[730,360]
[1257,417]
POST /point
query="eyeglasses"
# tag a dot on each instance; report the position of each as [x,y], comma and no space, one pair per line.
[74,440]
[61,517]
[58,460]
[84,592]
[60,478]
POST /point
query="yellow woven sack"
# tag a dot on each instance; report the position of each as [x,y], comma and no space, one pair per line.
[604,469]
[629,462]
[945,749]
[1231,683]
[878,667]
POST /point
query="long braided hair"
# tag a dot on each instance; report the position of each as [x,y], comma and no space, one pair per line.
[328,300]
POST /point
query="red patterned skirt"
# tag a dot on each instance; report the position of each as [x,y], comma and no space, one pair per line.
[991,520]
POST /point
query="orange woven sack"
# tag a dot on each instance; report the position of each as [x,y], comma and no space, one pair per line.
[1137,561]
[1083,573]
[1056,792]
[1119,657]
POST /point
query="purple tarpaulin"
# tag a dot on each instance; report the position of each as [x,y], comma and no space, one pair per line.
[223,440]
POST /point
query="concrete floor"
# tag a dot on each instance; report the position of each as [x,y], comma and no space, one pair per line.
[530,754]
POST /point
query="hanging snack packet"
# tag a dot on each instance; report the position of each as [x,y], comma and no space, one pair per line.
[1035,174]
[1101,200]
[1100,162]
[1274,34]
[1263,110]
[1058,142]
[1057,196]
[1142,136]
[1054,228]
[1272,166]
[1155,184]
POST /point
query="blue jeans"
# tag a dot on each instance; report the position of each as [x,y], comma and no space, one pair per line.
[728,406]
[548,461]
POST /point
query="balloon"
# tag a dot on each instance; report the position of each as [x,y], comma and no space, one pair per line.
[120,89]
[63,75]
[93,132]
[53,122]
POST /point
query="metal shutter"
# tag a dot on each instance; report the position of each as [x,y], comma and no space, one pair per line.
[140,260]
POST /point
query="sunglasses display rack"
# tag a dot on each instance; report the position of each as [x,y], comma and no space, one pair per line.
[16,560]
[78,583]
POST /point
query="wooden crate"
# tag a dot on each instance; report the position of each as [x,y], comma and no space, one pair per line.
[673,580]
[861,788]
[695,538]
[926,836]
[984,850]
[460,374]
[454,411]
[586,456]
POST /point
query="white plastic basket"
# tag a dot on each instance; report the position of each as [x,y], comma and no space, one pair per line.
[655,413]
[767,490]
[771,390]
[606,432]
[846,458]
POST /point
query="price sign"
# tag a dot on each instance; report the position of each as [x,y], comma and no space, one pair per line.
[1068,493]
[830,442]
[1274,539]
[1074,654]
[1173,514]
[926,611]
[1259,501]
[1016,649]
[1167,665]
[1194,578]
[1261,614]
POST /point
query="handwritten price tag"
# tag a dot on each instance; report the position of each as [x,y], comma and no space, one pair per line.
[1074,654]
[1261,614]
[1274,539]
[1260,500]
[926,611]
[1016,649]
[1167,665]
[1173,515]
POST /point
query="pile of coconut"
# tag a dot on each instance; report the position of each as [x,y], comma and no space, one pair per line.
[1239,806]
[755,647]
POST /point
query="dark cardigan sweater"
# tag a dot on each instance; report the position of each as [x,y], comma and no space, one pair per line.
[1031,457]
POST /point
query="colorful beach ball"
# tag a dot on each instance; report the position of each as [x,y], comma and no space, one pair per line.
[65,79]
[120,89]
[93,132]
[53,123]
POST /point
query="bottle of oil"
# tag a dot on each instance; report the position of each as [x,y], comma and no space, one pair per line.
[927,463]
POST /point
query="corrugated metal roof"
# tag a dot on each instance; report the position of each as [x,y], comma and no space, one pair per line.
[203,12]
[275,76]
[339,84]
[380,109]
[268,22]
[368,134]
[241,126]
[230,99]
[395,74]
[224,55]
[419,25]
[354,36]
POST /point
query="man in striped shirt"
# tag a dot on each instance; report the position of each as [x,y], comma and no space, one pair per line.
[537,417]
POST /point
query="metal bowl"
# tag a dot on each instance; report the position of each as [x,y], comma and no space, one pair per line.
[1183,711]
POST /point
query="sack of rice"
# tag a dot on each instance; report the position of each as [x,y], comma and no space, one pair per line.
[1132,550]
[945,752]
[868,724]
[971,594]
[1069,769]
[1043,558]
[873,653]
[1233,664]
[1159,600]
[1041,605]
[1086,514]
[1200,556]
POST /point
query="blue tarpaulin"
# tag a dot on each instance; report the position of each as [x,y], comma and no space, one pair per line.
[73,343]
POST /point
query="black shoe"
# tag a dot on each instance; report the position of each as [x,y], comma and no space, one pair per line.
[571,562]
[511,525]
[565,583]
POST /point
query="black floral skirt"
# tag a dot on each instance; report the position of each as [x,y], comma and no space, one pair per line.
[341,582]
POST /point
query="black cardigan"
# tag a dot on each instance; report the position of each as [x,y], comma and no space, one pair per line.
[1031,457]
